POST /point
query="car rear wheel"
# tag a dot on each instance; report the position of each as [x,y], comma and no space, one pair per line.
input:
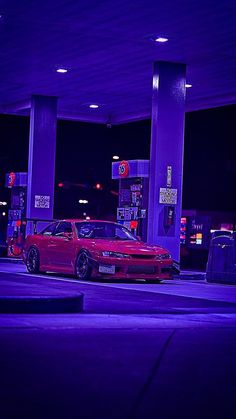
[32,261]
[83,265]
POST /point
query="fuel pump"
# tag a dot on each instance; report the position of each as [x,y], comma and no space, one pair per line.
[133,176]
[17,182]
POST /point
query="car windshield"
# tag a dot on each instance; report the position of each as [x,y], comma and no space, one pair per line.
[102,230]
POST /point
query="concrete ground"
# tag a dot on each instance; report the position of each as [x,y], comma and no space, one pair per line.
[138,350]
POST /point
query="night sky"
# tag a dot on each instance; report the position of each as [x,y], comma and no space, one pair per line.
[84,155]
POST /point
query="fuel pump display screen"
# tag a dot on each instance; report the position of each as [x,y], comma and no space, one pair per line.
[18,199]
[125,195]
[14,215]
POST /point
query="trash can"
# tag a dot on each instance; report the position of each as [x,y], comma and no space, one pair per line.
[221,265]
[218,233]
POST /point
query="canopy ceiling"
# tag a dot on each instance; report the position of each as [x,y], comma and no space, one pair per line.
[108,49]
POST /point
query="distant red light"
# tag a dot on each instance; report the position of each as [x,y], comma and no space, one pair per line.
[114,193]
[98,186]
[60,185]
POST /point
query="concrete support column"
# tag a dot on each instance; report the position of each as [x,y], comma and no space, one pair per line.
[42,153]
[166,158]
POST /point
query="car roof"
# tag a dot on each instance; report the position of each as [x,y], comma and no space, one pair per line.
[80,220]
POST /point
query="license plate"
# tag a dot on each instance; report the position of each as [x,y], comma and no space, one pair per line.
[106,269]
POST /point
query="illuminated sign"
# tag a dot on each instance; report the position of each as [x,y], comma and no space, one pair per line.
[196,239]
[123,168]
[198,232]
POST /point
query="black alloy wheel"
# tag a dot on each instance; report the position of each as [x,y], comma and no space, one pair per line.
[32,262]
[83,265]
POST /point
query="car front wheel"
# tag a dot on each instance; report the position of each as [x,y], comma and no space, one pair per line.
[32,261]
[83,266]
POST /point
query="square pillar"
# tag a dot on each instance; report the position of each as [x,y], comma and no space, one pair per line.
[42,154]
[166,156]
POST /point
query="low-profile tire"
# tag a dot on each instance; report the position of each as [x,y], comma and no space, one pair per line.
[83,268]
[32,261]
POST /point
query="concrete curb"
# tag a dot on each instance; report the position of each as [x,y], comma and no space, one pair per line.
[221,281]
[42,304]
[192,277]
[11,260]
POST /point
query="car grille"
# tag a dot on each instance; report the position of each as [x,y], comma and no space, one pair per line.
[143,256]
[141,270]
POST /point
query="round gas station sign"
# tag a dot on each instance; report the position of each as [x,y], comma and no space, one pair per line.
[123,168]
[11,179]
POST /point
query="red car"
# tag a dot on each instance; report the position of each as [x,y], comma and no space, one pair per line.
[90,249]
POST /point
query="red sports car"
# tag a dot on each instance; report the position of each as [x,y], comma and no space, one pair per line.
[90,249]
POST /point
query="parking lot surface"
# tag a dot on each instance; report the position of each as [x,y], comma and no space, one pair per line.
[138,350]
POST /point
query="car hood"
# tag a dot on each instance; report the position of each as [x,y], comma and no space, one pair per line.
[127,246]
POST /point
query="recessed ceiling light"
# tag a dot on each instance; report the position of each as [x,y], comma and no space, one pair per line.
[93,106]
[161,39]
[187,85]
[62,70]
[115,157]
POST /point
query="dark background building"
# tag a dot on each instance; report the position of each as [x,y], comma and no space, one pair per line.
[84,157]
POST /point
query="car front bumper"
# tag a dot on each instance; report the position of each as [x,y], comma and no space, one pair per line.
[134,268]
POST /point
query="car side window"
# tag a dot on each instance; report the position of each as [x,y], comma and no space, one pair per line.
[121,234]
[49,229]
[63,227]
[84,230]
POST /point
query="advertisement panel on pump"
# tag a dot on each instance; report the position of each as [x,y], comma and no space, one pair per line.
[17,182]
[133,194]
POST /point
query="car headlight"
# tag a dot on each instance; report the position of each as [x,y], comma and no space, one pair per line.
[114,254]
[164,256]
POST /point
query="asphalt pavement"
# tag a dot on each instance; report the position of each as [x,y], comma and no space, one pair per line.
[137,350]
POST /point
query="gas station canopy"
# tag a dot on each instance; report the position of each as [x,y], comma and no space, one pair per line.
[108,49]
